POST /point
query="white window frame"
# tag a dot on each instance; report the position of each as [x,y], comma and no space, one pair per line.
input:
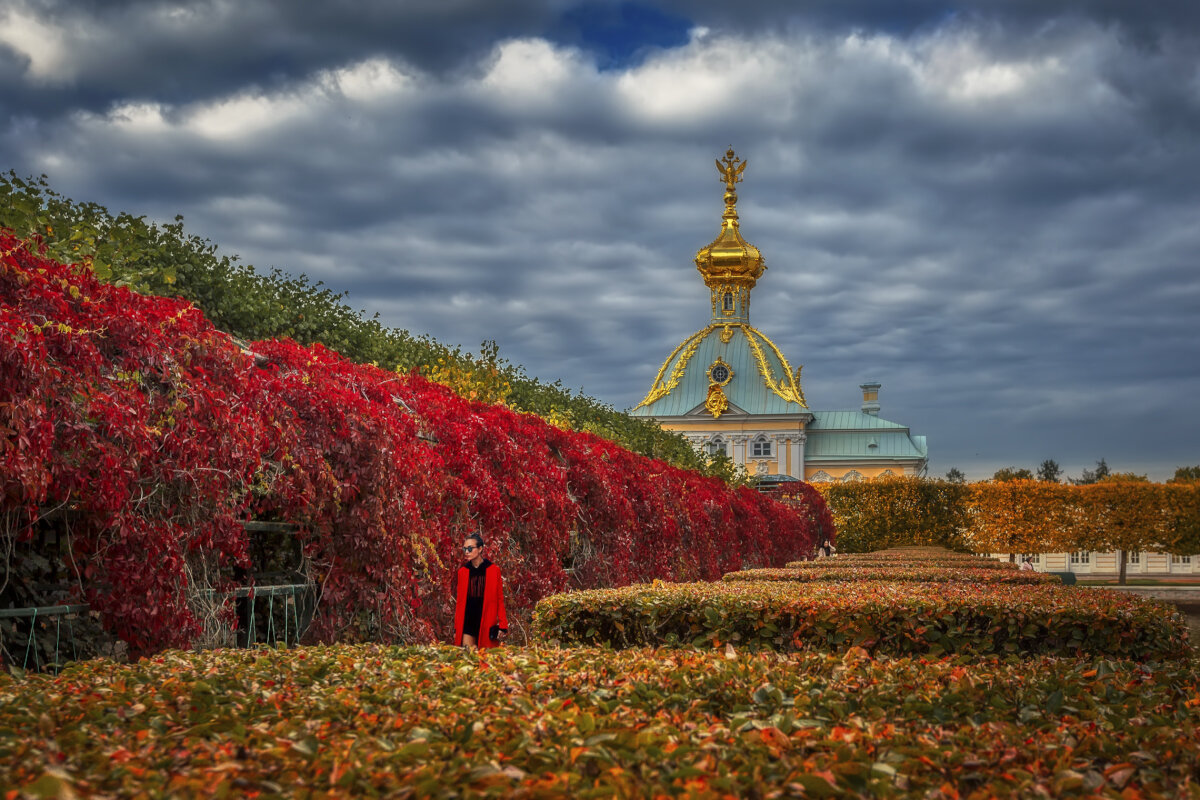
[1179,560]
[763,442]
[1081,558]
[716,446]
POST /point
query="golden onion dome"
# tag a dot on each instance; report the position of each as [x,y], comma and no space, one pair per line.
[729,260]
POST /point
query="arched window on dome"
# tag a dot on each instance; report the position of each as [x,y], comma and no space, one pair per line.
[727,302]
[760,447]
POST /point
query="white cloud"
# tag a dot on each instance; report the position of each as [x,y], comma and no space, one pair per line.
[530,74]
[144,119]
[47,47]
[249,114]
[372,81]
[714,78]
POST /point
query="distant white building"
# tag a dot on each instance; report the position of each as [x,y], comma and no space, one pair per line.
[1105,565]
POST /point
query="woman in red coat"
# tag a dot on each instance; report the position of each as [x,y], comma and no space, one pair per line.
[479,617]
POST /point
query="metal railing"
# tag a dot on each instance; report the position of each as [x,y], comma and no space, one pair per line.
[58,612]
[297,602]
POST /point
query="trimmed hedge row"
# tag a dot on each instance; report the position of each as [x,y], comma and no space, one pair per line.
[369,721]
[938,553]
[882,616]
[838,562]
[917,573]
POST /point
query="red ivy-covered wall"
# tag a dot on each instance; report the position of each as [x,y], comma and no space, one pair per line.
[161,436]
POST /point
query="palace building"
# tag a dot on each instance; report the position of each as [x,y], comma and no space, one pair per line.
[730,390]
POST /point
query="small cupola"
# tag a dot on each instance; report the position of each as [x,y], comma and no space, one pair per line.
[729,264]
[870,404]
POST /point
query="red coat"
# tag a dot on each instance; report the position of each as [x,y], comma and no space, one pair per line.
[493,605]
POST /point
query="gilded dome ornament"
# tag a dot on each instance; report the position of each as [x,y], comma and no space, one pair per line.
[729,260]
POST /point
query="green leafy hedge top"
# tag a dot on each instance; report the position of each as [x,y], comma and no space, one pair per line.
[371,721]
[892,617]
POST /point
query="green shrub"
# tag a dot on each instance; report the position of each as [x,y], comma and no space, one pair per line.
[881,616]
[917,573]
[842,562]
[904,558]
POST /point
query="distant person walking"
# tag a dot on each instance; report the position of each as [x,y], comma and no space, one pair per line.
[479,616]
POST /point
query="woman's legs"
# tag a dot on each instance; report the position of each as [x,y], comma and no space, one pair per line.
[469,641]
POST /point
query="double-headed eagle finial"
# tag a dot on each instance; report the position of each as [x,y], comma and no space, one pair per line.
[731,168]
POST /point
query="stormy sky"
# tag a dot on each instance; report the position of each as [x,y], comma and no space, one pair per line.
[992,208]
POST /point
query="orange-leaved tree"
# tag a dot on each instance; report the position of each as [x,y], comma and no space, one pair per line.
[896,511]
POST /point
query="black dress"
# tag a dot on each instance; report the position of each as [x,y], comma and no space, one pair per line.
[473,610]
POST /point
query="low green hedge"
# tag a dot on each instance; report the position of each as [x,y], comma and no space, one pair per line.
[920,574]
[854,560]
[881,616]
[371,721]
[914,552]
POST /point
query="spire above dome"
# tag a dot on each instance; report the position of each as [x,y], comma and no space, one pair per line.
[730,264]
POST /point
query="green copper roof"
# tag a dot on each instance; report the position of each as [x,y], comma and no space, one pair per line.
[849,421]
[761,381]
[840,435]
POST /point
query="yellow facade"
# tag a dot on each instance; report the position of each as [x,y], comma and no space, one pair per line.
[738,430]
[825,473]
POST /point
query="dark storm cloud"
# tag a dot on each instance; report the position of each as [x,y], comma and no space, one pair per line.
[989,207]
[179,52]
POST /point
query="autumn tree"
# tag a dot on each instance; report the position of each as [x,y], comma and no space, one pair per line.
[1021,516]
[1121,514]
[955,475]
[897,511]
[1124,477]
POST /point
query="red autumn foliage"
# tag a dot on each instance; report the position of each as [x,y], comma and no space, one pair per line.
[158,436]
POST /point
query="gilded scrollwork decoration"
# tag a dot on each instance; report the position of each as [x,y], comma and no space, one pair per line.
[716,402]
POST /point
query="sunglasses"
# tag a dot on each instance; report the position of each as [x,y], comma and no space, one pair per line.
[470,549]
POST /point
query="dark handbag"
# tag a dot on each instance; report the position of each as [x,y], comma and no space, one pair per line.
[494,633]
